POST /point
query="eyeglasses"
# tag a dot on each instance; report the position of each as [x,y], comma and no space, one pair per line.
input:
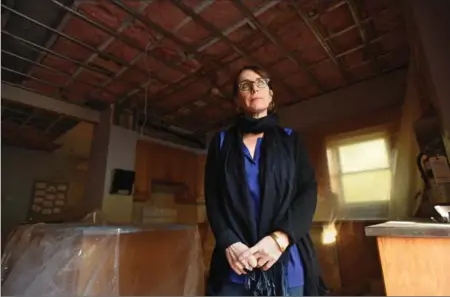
[247,85]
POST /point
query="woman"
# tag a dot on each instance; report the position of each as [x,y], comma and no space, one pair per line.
[261,195]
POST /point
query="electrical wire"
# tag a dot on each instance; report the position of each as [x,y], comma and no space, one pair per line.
[147,67]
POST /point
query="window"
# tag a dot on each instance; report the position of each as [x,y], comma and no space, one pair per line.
[360,169]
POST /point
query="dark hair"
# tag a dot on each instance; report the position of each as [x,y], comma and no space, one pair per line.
[258,70]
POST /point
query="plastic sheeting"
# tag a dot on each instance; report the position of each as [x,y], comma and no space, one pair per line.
[89,260]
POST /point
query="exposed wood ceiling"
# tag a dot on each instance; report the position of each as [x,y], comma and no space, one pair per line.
[34,128]
[173,60]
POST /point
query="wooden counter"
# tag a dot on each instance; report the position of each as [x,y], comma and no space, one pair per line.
[415,257]
[81,260]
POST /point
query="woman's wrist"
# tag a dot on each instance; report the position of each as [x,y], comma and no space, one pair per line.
[281,239]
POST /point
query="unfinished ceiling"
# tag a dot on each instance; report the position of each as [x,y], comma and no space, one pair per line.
[33,128]
[173,60]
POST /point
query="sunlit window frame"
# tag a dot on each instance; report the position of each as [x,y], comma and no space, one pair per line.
[332,145]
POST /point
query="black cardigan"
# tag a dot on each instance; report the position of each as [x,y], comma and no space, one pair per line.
[296,224]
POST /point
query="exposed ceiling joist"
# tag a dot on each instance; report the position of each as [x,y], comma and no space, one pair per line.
[277,42]
[189,51]
[323,42]
[188,79]
[101,53]
[217,33]
[355,11]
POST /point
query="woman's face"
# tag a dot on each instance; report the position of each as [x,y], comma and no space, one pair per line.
[254,95]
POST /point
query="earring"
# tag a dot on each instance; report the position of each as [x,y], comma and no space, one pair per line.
[238,110]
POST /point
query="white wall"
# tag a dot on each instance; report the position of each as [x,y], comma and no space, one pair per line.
[121,152]
[20,169]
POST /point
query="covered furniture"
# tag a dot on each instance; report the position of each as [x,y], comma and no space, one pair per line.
[90,260]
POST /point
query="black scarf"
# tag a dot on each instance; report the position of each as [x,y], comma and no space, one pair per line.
[276,177]
[247,124]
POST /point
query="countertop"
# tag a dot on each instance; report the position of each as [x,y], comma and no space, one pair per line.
[409,229]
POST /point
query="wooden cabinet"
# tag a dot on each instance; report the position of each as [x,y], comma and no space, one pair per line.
[141,184]
[200,177]
[414,257]
[158,162]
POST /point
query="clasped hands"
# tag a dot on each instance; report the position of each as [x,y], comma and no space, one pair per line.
[264,254]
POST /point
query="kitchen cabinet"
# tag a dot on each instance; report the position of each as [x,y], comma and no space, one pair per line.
[155,161]
[199,178]
[141,184]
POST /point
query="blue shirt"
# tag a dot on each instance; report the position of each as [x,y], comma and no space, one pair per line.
[295,267]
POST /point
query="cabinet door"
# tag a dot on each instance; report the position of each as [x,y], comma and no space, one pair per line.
[189,173]
[159,168]
[141,182]
[200,177]
[176,163]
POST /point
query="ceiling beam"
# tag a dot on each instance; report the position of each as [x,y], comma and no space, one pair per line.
[191,103]
[355,11]
[63,73]
[189,51]
[243,53]
[326,45]
[278,44]
[54,37]
[113,35]
[76,41]
[22,96]
[190,78]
